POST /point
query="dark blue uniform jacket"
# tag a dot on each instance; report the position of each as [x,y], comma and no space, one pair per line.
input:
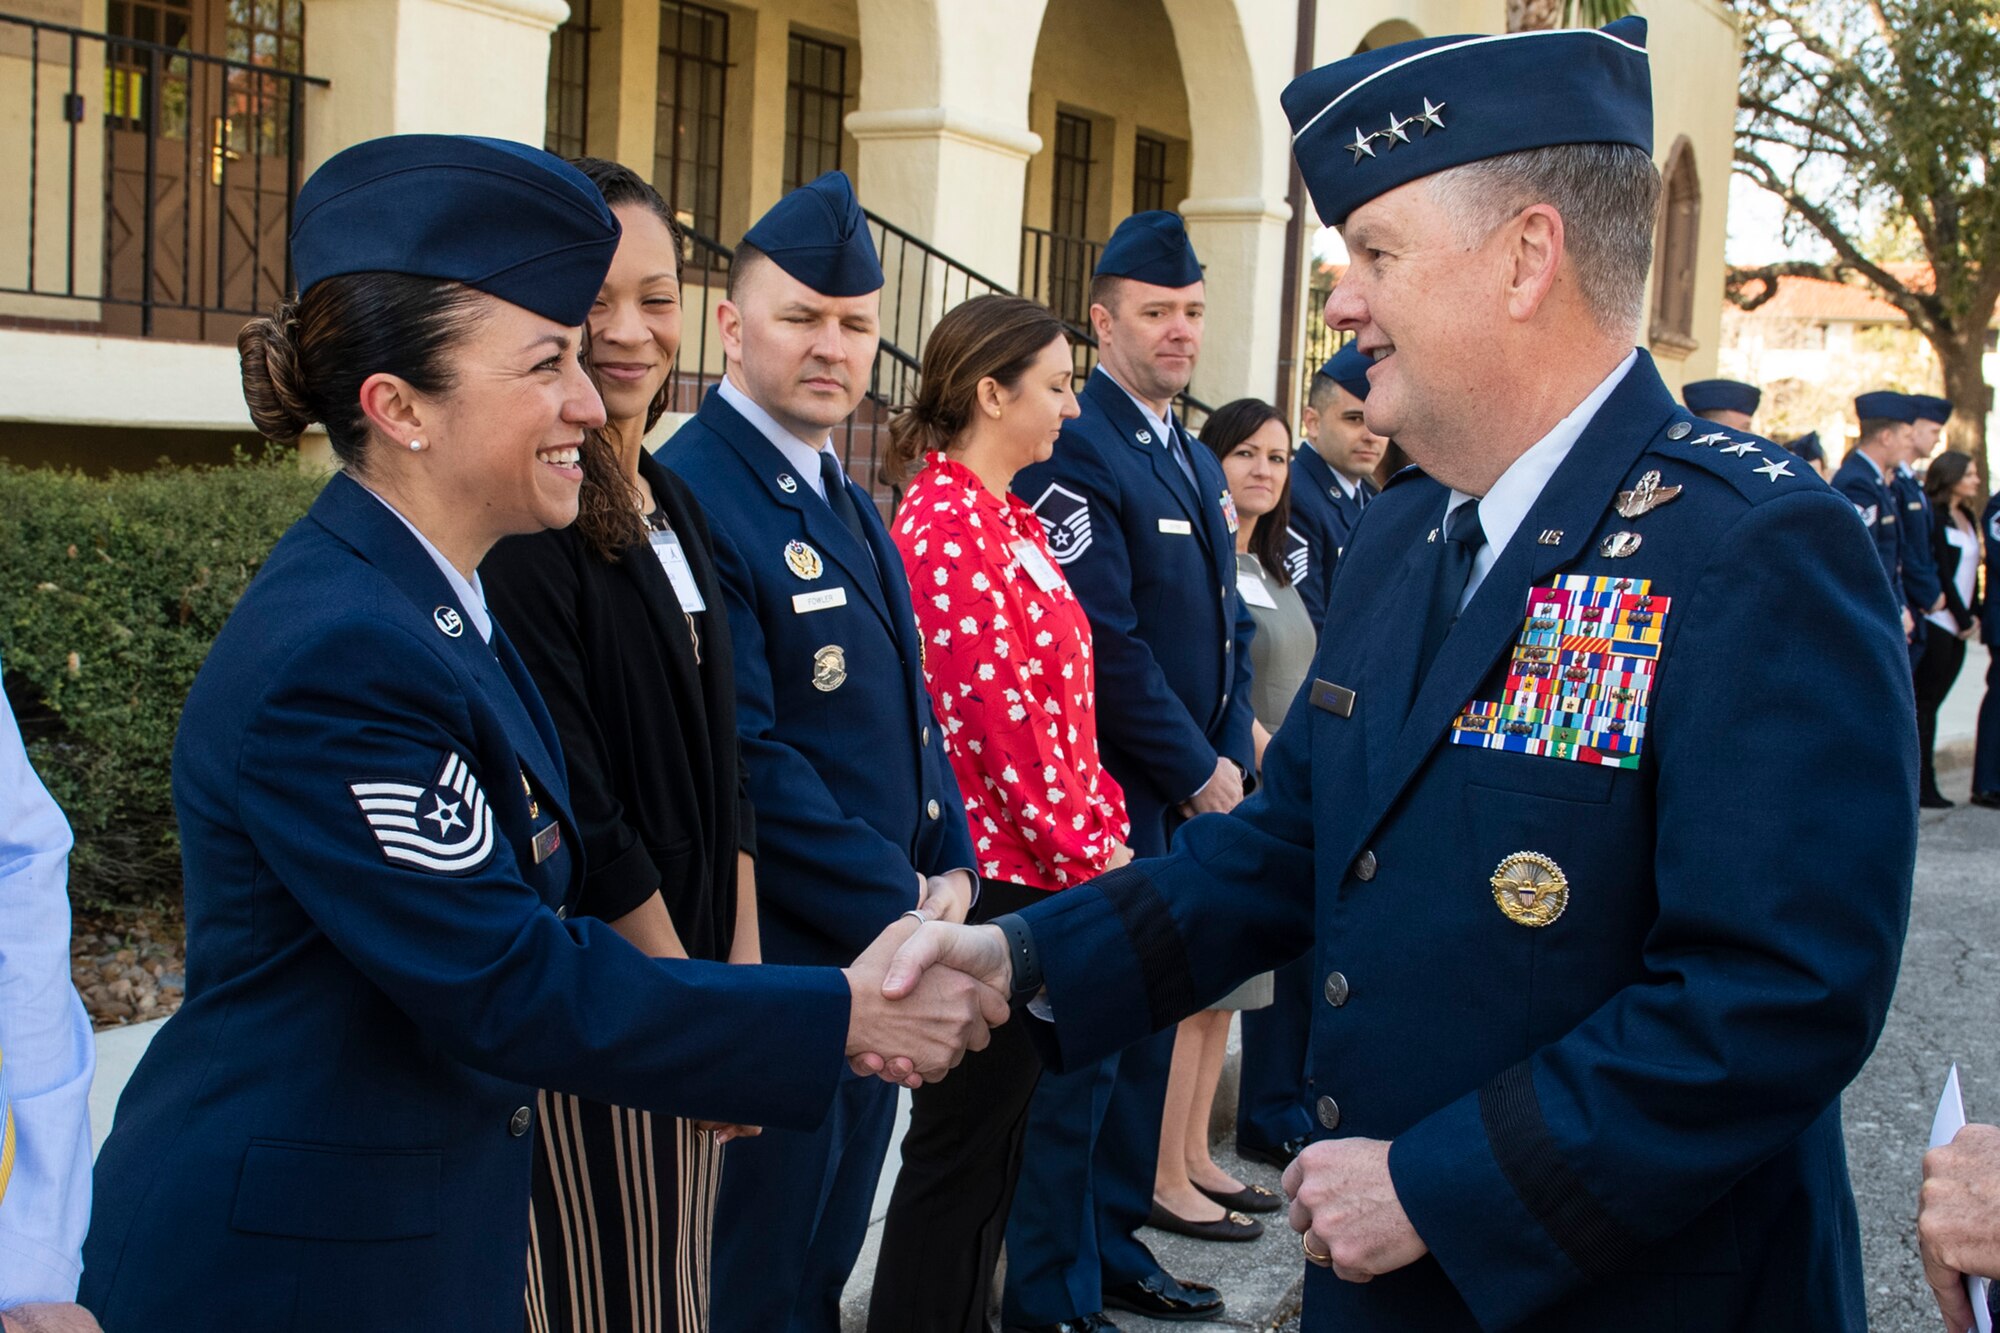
[333,1132]
[1153,560]
[1628,1117]
[1989,523]
[1921,587]
[1876,503]
[846,764]
[1325,516]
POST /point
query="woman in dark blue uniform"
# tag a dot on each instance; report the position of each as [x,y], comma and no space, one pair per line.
[334,1131]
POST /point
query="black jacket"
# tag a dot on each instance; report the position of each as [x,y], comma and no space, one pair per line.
[648,732]
[1947,557]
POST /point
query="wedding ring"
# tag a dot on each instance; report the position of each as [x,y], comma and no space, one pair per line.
[1305,1243]
[920,916]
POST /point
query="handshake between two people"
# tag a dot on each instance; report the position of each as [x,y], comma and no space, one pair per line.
[928,990]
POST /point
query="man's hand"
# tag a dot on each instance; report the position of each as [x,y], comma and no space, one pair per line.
[1958,1218]
[1343,1199]
[949,897]
[918,1032]
[1222,793]
[48,1318]
[1909,624]
[977,951]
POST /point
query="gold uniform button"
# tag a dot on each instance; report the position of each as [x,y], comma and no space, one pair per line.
[517,1124]
[1365,866]
[933,810]
[1337,989]
[1329,1112]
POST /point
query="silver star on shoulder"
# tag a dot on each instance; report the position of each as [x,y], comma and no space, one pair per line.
[1740,448]
[1713,437]
[1775,469]
[1430,119]
[1396,134]
[1361,147]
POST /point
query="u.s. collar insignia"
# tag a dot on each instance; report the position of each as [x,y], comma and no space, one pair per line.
[1530,889]
[1550,537]
[787,483]
[803,561]
[1145,437]
[829,668]
[1645,497]
[1619,545]
[449,621]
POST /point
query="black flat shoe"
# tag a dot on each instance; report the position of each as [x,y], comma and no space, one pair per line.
[1083,1323]
[1936,801]
[1989,799]
[1249,1199]
[1280,1156]
[1232,1225]
[1163,1296]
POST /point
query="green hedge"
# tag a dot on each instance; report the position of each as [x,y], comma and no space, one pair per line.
[111,591]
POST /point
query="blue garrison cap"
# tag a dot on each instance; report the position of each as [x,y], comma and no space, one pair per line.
[1721,396]
[1807,447]
[1882,405]
[820,236]
[1930,407]
[1367,124]
[507,219]
[1349,369]
[1151,247]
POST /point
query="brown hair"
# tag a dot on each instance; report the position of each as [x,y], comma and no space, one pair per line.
[1941,478]
[989,337]
[607,506]
[306,362]
[1227,428]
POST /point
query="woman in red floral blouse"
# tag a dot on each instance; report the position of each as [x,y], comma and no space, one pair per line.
[1008,661]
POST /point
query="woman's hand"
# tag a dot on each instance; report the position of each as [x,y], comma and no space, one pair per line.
[724,1131]
[947,897]
[1121,856]
[1259,738]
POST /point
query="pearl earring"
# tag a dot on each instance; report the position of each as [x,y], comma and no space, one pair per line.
[416,445]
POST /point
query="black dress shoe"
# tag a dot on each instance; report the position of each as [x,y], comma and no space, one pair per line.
[1249,1199]
[1932,800]
[1232,1225]
[1083,1323]
[1164,1296]
[1989,799]
[1280,1156]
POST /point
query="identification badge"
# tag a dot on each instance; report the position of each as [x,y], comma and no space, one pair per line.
[548,842]
[667,546]
[822,600]
[1038,566]
[1253,592]
[1179,527]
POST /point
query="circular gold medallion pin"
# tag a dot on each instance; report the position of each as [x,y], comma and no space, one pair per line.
[803,561]
[829,668]
[1531,889]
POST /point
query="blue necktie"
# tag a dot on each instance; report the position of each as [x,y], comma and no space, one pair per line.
[839,499]
[1462,539]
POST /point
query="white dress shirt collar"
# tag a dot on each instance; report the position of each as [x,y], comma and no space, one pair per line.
[1163,431]
[1503,508]
[471,597]
[801,454]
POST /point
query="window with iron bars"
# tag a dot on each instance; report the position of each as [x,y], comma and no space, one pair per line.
[568,122]
[1149,173]
[815,97]
[687,151]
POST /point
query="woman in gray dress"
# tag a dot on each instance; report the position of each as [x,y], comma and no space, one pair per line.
[1253,442]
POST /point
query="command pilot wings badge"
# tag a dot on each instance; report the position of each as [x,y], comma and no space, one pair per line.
[1065,518]
[445,827]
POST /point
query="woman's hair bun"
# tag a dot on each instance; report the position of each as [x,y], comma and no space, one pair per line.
[273,387]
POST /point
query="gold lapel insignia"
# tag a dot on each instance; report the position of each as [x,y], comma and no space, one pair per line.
[829,668]
[534,809]
[1619,545]
[1647,496]
[1531,889]
[803,561]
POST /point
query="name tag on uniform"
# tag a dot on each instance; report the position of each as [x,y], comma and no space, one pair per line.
[1038,566]
[1179,527]
[1914,505]
[1252,590]
[667,546]
[1335,699]
[822,600]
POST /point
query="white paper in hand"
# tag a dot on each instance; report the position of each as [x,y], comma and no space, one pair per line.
[1945,1125]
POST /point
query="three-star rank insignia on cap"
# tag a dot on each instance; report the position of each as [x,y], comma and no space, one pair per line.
[444,827]
[829,668]
[803,561]
[1530,889]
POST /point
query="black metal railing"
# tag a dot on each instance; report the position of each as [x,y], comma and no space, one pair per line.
[176,223]
[1319,342]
